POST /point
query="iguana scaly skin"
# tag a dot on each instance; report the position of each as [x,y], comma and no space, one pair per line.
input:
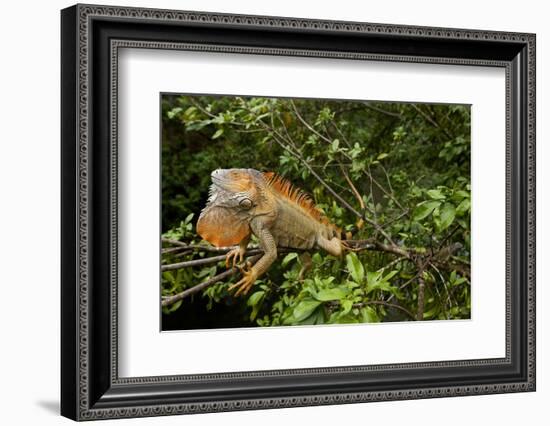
[246,202]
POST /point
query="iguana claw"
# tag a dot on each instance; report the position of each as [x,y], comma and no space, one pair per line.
[232,255]
[246,282]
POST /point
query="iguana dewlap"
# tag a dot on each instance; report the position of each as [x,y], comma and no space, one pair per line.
[243,202]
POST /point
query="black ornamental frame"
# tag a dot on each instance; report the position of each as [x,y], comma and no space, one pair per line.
[91,36]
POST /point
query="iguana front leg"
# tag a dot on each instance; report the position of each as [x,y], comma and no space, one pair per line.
[269,247]
[237,252]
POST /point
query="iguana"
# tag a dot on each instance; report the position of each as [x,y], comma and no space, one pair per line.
[246,202]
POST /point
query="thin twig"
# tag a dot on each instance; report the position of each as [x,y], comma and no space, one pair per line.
[166,301]
[309,126]
[444,286]
[449,267]
[173,250]
[387,177]
[369,174]
[381,187]
[183,253]
[194,262]
[395,219]
[392,263]
[383,111]
[449,235]
[421,293]
[379,246]
[204,111]
[353,188]
[402,286]
[374,222]
[342,136]
[431,120]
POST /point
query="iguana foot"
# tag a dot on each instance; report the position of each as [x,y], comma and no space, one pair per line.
[347,247]
[246,282]
[333,246]
[233,254]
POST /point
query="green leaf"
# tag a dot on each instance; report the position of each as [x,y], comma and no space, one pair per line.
[317,259]
[304,309]
[382,156]
[173,307]
[189,217]
[255,298]
[316,318]
[373,277]
[368,314]
[381,285]
[431,313]
[435,194]
[447,216]
[168,276]
[172,113]
[255,301]
[462,194]
[355,267]
[331,294]
[463,207]
[288,258]
[205,272]
[424,209]
[189,111]
[390,275]
[346,305]
[218,133]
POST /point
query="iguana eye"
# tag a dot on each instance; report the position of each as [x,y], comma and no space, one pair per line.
[246,203]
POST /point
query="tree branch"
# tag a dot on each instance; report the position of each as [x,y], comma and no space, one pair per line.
[204,247]
[355,245]
[463,270]
[431,120]
[377,245]
[205,261]
[253,251]
[383,111]
[166,301]
[309,126]
[173,250]
[353,188]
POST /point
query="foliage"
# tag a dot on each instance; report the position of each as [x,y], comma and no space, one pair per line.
[404,168]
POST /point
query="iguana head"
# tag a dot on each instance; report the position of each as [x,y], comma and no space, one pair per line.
[234,196]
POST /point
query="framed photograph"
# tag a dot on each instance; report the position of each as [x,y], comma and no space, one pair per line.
[263,212]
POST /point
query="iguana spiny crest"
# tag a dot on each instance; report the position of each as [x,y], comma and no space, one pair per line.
[243,202]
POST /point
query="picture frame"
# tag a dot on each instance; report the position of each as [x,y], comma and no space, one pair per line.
[90,384]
